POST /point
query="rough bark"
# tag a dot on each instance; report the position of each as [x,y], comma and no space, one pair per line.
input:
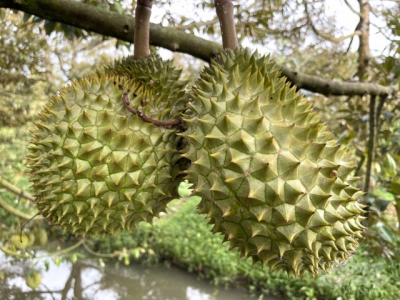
[120,26]
[364,53]
[226,18]
[371,142]
[333,87]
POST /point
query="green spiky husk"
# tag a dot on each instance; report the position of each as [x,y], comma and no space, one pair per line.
[97,168]
[272,181]
[163,78]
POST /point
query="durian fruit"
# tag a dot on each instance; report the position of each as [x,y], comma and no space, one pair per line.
[33,279]
[41,237]
[96,167]
[20,241]
[31,238]
[272,180]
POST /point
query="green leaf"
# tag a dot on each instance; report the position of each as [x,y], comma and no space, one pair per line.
[395,187]
[184,189]
[46,265]
[385,232]
[389,63]
[383,195]
[119,8]
[390,165]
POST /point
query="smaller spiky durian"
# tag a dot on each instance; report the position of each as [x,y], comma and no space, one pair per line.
[272,181]
[161,76]
[98,168]
[20,241]
[33,279]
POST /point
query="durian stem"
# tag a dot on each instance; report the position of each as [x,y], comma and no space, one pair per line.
[371,142]
[13,253]
[64,251]
[60,252]
[102,255]
[382,100]
[15,190]
[16,212]
[226,18]
[140,114]
[142,29]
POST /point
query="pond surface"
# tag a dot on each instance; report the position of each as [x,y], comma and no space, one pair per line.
[86,279]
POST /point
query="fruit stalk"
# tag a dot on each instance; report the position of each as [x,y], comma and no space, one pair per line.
[142,29]
[225,15]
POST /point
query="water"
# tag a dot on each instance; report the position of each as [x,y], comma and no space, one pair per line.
[88,280]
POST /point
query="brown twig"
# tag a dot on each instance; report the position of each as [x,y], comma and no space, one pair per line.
[324,35]
[127,104]
[382,100]
[140,114]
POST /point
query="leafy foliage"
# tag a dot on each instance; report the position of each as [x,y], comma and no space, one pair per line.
[184,237]
[23,64]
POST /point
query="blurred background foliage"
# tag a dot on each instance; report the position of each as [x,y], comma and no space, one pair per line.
[39,57]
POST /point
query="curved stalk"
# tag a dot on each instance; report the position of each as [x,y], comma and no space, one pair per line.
[15,190]
[7,207]
[60,252]
[101,255]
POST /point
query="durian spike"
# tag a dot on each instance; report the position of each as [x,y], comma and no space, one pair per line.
[224,10]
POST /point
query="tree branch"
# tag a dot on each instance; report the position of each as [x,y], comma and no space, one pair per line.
[193,24]
[324,35]
[352,8]
[12,210]
[15,190]
[332,87]
[364,54]
[112,24]
[371,142]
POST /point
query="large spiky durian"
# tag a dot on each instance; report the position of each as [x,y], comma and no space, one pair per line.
[96,167]
[272,181]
